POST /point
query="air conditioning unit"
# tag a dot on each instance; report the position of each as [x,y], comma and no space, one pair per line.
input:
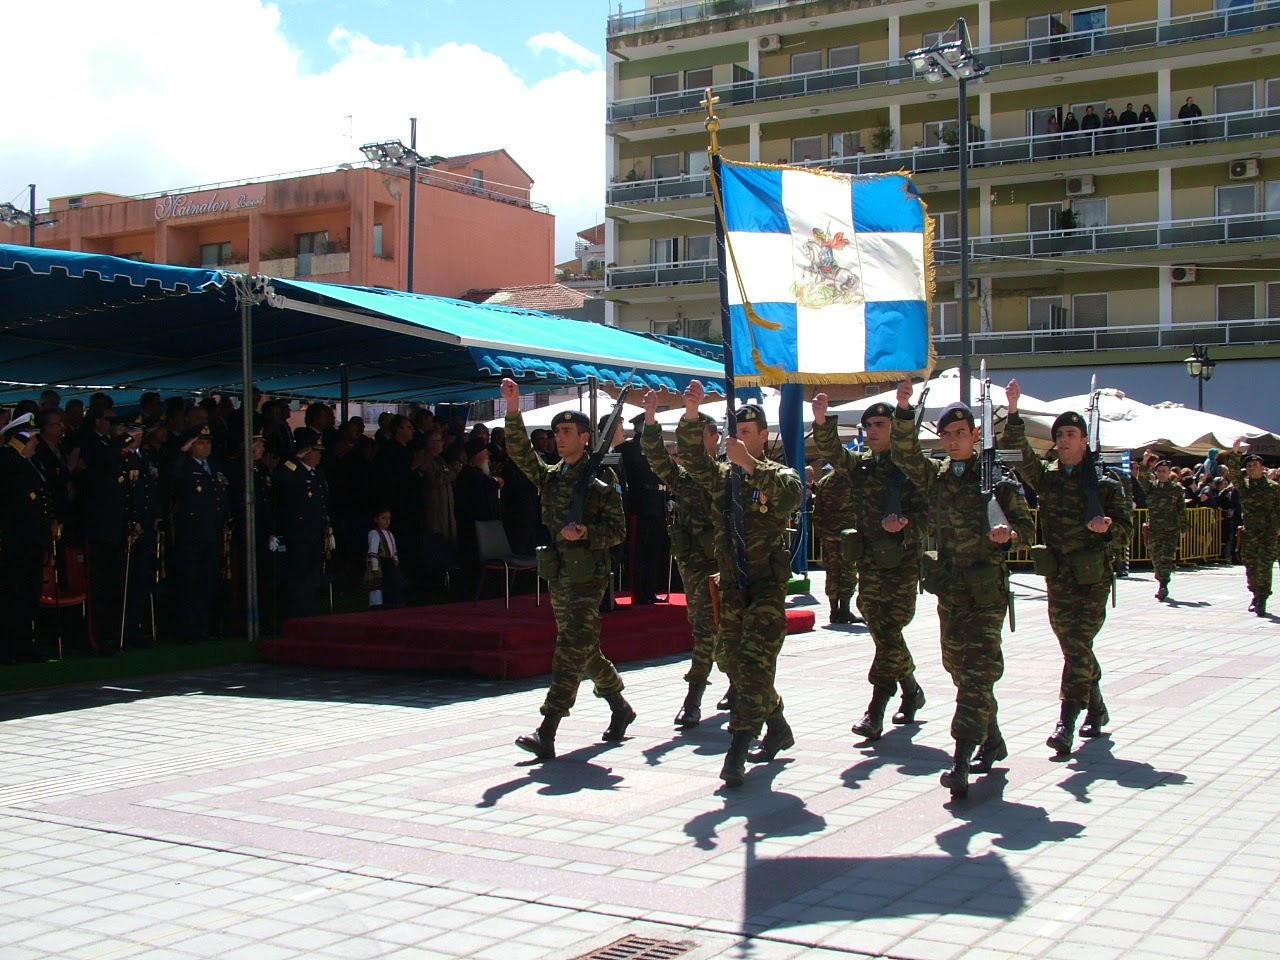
[975,289]
[1081,186]
[769,42]
[1243,169]
[1183,273]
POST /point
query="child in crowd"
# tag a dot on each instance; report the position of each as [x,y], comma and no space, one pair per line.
[382,576]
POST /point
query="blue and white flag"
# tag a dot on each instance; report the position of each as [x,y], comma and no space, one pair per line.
[827,275]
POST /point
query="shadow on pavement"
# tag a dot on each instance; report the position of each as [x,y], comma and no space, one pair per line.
[897,749]
[708,739]
[1017,826]
[1094,761]
[569,773]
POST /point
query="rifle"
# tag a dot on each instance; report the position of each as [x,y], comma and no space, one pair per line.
[596,459]
[991,468]
[1094,467]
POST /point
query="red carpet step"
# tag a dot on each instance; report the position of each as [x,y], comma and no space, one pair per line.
[485,638]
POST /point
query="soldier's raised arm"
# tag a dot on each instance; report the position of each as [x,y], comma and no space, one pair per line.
[519,446]
[826,434]
[652,446]
[1014,437]
[1235,464]
[693,456]
[904,447]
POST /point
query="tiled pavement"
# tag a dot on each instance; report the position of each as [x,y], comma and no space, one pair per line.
[270,813]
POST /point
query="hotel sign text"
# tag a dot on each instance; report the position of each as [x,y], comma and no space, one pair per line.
[179,205]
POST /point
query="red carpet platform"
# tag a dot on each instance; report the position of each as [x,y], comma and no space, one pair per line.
[486,638]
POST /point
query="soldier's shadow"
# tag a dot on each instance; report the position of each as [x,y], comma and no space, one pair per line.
[708,739]
[768,813]
[1018,826]
[1094,761]
[896,749]
[1187,603]
[569,773]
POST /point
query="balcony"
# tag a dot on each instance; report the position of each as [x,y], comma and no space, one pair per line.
[1134,36]
[662,274]
[1102,339]
[307,265]
[1216,128]
[686,13]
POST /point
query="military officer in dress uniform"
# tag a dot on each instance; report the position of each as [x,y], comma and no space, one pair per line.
[27,528]
[106,529]
[301,524]
[201,510]
[143,511]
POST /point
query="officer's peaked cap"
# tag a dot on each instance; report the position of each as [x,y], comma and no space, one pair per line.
[304,438]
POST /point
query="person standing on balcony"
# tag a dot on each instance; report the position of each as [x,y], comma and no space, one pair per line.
[1088,124]
[1127,117]
[1260,509]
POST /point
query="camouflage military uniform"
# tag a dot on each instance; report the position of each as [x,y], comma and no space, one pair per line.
[1079,586]
[575,603]
[833,512]
[888,572]
[1167,512]
[1260,510]
[972,580]
[693,546]
[751,630]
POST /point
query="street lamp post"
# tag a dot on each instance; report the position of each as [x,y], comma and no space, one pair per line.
[935,63]
[13,216]
[1201,367]
[393,153]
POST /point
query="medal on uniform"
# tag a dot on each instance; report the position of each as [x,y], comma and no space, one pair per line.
[31,495]
[199,489]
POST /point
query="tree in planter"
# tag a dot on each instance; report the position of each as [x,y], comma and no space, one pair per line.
[882,137]
[1068,220]
[950,135]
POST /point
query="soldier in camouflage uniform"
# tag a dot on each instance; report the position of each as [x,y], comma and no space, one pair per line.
[1076,563]
[577,569]
[833,512]
[1167,512]
[890,516]
[969,577]
[752,623]
[693,546]
[1260,509]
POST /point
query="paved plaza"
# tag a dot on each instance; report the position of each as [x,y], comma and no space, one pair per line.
[270,813]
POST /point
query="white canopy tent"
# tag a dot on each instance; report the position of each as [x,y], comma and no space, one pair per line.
[540,417]
[944,390]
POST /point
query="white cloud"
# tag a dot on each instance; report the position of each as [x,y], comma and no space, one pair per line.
[162,95]
[561,45]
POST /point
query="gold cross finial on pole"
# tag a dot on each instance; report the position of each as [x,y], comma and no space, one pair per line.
[712,123]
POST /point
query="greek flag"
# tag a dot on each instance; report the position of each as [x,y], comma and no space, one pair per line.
[827,275]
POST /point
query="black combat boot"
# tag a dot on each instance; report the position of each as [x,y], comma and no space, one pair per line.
[1096,717]
[993,750]
[542,742]
[690,714]
[1064,733]
[729,699]
[734,770]
[1253,604]
[837,614]
[957,778]
[847,612]
[619,719]
[1163,592]
[871,725]
[777,737]
[1260,608]
[912,700]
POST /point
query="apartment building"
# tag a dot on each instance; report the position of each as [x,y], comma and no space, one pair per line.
[1119,247]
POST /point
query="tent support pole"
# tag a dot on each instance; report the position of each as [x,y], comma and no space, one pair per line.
[247,295]
[346,393]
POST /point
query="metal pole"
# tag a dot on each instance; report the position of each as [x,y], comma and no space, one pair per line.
[346,393]
[1200,391]
[246,409]
[31,222]
[964,242]
[413,196]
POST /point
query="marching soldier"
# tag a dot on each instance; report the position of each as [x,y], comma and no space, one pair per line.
[1080,548]
[752,617]
[27,528]
[693,546]
[1167,510]
[889,515]
[302,518]
[1260,506]
[576,566]
[833,513]
[969,575]
[201,511]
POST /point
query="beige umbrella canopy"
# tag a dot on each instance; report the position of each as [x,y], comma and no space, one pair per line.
[540,417]
[944,390]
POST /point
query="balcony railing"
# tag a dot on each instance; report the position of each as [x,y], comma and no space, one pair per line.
[1217,128]
[685,13]
[1100,339]
[662,274]
[1198,26]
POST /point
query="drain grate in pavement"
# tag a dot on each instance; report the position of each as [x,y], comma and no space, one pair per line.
[632,947]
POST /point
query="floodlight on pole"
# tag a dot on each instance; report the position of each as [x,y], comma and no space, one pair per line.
[393,153]
[15,216]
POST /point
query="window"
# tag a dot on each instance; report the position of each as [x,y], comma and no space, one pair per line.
[1235,302]
[696,162]
[668,165]
[946,226]
[1089,310]
[1090,213]
[1237,198]
[934,132]
[317,242]
[377,240]
[698,329]
[1046,313]
[1043,217]
[215,254]
[664,83]
[1089,21]
[1271,197]
[74,203]
[477,179]
[1273,299]
[1038,120]
[806,62]
[946,319]
[839,58]
[697,248]
[806,148]
[1233,97]
[664,250]
[1049,25]
[698,79]
[930,39]
[665,328]
[1273,93]
[846,144]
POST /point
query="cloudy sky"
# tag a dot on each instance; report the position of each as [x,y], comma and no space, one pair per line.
[138,96]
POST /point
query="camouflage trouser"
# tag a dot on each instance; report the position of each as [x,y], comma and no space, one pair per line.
[887,599]
[702,619]
[1163,549]
[1258,561]
[1076,614]
[971,654]
[842,576]
[577,610]
[750,641]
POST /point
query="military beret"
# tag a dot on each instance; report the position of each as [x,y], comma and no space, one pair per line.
[1068,419]
[304,438]
[571,416]
[752,413]
[877,410]
[1161,463]
[1251,457]
[638,421]
[955,413]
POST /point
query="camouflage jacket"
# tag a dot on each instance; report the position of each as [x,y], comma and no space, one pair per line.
[833,505]
[1166,504]
[871,477]
[1259,500]
[602,513]
[769,496]
[957,505]
[695,513]
[1062,498]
